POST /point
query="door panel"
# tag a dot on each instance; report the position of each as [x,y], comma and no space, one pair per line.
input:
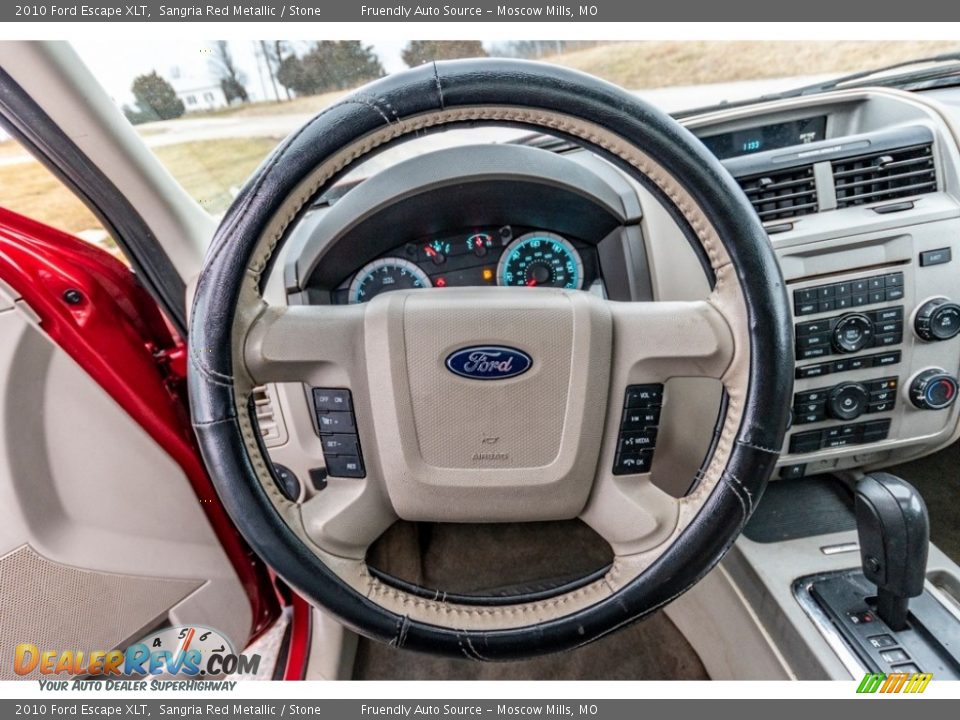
[108,524]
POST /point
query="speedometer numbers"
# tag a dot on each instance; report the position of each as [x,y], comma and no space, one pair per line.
[541,259]
[384,275]
[473,259]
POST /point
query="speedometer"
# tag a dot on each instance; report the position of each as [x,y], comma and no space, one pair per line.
[541,259]
[384,275]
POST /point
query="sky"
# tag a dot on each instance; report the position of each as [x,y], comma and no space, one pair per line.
[116,65]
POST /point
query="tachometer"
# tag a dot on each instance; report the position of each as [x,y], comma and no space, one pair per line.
[541,259]
[384,275]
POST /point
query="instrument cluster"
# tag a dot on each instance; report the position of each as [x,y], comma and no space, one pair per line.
[487,256]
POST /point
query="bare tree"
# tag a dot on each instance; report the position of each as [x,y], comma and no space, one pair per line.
[232,80]
[273,54]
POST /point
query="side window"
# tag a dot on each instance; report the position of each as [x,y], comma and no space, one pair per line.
[29,189]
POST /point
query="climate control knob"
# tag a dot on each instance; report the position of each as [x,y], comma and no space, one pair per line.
[852,333]
[933,389]
[847,401]
[937,319]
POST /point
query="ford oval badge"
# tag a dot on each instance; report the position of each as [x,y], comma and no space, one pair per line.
[488,362]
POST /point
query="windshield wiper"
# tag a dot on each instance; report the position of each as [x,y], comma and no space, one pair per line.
[857,79]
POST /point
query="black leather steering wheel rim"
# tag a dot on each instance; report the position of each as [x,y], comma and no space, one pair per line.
[441,86]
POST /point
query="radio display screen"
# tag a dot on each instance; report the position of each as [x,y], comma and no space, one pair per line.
[767,137]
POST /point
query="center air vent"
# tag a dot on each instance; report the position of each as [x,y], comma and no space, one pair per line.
[781,194]
[887,175]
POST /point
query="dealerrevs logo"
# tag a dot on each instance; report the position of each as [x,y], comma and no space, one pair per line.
[191,651]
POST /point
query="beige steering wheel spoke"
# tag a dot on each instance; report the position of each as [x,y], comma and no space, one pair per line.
[656,341]
[348,516]
[652,343]
[297,343]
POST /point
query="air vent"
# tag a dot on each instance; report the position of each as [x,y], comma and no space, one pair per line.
[886,175]
[781,194]
[269,419]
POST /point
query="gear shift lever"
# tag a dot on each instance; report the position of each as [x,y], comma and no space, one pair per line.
[894,532]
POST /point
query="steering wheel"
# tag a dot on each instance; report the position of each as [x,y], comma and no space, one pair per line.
[420,424]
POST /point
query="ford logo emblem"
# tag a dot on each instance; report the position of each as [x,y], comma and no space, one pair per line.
[488,362]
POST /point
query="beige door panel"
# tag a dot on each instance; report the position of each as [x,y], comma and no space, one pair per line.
[94,507]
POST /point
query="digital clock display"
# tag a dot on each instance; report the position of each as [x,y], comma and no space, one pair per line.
[767,137]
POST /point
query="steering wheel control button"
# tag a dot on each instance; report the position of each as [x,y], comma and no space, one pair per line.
[340,445]
[286,482]
[633,441]
[937,320]
[847,401]
[852,333]
[638,418]
[326,400]
[644,396]
[338,433]
[347,466]
[638,429]
[933,389]
[633,463]
[935,257]
[336,422]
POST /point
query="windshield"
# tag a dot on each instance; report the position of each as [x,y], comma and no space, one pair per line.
[211,111]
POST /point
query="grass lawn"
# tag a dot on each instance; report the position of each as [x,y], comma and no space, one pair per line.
[212,170]
[653,64]
[208,170]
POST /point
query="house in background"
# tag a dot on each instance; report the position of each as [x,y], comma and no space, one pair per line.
[197,88]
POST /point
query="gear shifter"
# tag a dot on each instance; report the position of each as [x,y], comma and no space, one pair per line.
[894,532]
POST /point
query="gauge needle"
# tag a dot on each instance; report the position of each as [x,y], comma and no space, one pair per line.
[531,283]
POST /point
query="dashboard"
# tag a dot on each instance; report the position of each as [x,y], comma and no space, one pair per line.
[858,191]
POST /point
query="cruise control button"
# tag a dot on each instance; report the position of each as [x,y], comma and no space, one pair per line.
[329,400]
[348,466]
[336,422]
[340,445]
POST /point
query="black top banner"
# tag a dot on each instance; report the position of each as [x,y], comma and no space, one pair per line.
[738,11]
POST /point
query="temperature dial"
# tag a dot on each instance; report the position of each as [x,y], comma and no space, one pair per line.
[937,319]
[933,389]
